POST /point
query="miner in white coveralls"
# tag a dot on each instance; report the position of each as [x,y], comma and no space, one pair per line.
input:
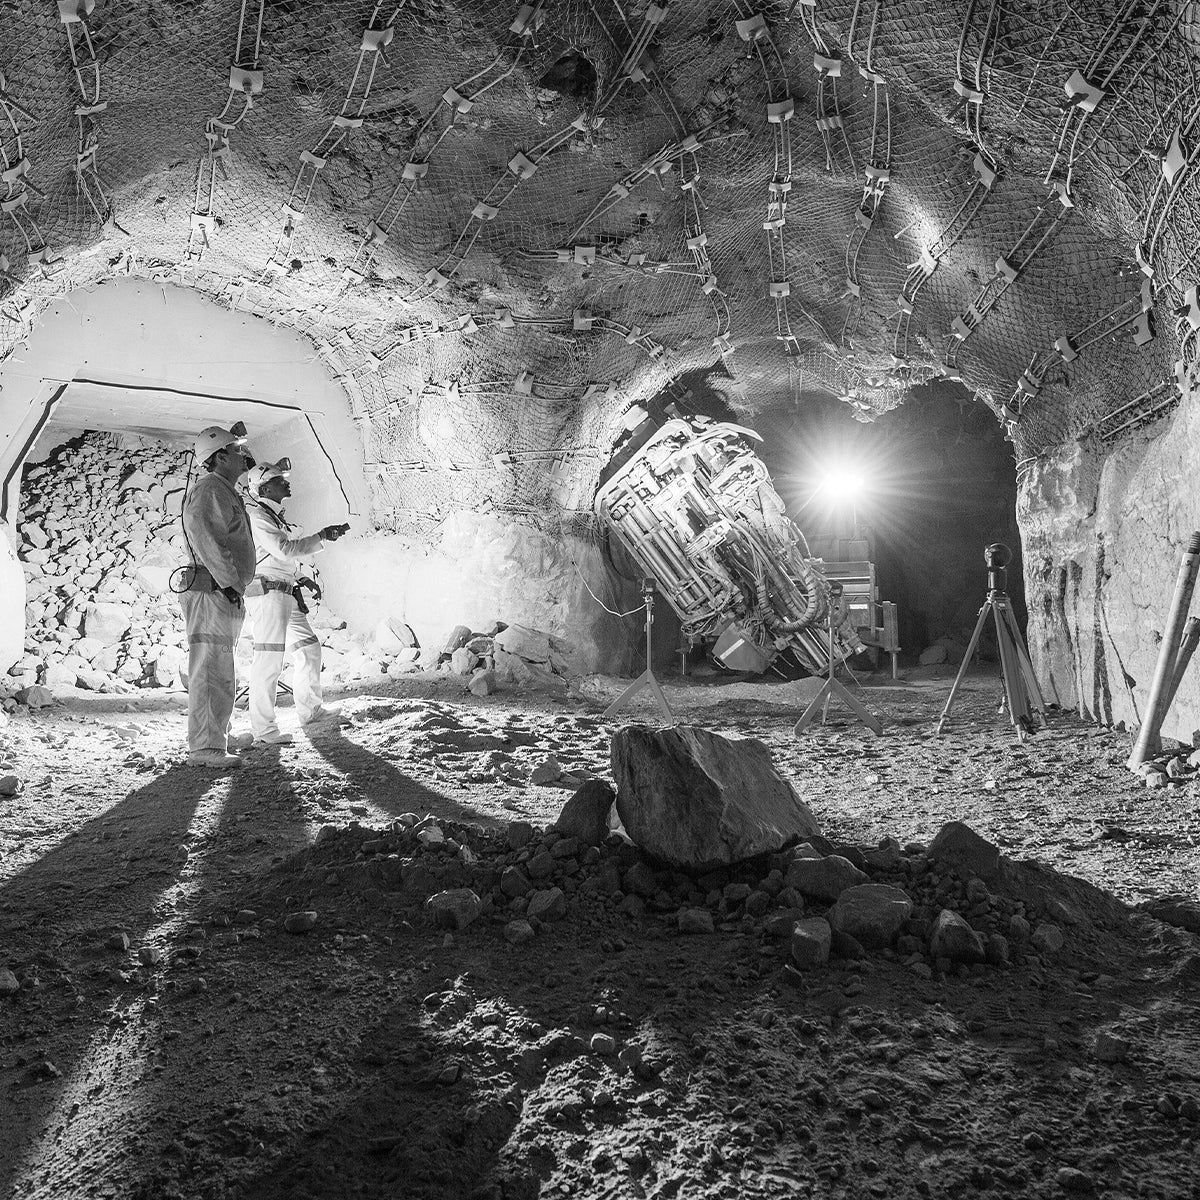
[222,548]
[278,614]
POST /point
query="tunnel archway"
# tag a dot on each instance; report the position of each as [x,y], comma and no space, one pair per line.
[132,356]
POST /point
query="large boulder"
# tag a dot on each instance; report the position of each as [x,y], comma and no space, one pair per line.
[823,878]
[698,800]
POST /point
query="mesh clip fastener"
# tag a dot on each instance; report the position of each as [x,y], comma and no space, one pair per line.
[307,156]
[71,11]
[1191,306]
[1029,384]
[1175,159]
[457,101]
[865,220]
[709,285]
[504,319]
[585,256]
[852,289]
[984,170]
[723,343]
[378,40]
[687,185]
[960,328]
[524,383]
[522,167]
[415,170]
[203,224]
[90,110]
[1139,252]
[528,18]
[752,28]
[780,288]
[467,325]
[1081,94]
[436,280]
[242,79]
[904,304]
[828,124]
[294,215]
[376,235]
[1143,329]
[484,212]
[637,259]
[1147,296]
[14,172]
[1067,350]
[831,66]
[348,122]
[781,111]
[878,174]
[967,92]
[1005,270]
[697,241]
[618,191]
[581,319]
[633,335]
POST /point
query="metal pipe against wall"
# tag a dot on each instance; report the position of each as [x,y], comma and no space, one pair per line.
[1187,647]
[1148,741]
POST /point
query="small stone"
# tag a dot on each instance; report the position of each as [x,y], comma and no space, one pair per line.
[540,865]
[1048,939]
[1111,1047]
[301,922]
[519,834]
[150,956]
[547,771]
[513,882]
[695,920]
[118,941]
[1071,1180]
[550,905]
[603,1043]
[811,942]
[823,878]
[10,785]
[454,908]
[1167,1107]
[9,985]
[245,916]
[518,932]
[952,938]
[640,880]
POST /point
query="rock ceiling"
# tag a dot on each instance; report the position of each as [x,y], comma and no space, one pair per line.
[501,226]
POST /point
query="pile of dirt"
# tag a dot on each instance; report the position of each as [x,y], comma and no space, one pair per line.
[246,987]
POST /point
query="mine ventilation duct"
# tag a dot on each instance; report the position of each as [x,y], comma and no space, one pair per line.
[694,507]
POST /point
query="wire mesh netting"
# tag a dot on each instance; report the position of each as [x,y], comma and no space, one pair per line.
[500,227]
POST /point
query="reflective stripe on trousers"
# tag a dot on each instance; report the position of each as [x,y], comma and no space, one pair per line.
[279,629]
[213,625]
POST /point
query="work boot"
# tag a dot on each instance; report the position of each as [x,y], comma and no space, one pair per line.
[214,760]
[275,739]
[327,712]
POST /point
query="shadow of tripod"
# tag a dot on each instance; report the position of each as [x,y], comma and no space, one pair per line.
[1026,708]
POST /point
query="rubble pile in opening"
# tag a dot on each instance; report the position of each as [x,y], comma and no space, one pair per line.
[100,537]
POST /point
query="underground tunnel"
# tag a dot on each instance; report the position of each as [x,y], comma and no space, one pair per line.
[595,599]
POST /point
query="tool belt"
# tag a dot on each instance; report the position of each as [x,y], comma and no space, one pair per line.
[196,578]
[261,585]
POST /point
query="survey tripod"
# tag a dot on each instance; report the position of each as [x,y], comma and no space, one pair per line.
[832,687]
[1026,708]
[646,678]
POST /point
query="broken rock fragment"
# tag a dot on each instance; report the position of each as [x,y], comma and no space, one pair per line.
[585,814]
[952,938]
[872,913]
[959,845]
[455,908]
[823,878]
[698,800]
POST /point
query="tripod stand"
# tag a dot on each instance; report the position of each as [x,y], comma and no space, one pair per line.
[1026,708]
[646,678]
[832,687]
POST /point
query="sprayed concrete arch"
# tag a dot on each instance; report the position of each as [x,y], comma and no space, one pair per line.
[162,361]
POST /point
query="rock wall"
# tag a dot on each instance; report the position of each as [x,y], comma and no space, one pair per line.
[1103,536]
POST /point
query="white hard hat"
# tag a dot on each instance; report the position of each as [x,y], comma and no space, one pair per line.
[215,438]
[265,472]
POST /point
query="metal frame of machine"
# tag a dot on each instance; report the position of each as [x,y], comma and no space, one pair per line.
[696,510]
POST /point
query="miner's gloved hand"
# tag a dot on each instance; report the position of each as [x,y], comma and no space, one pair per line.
[233,596]
[331,533]
[310,585]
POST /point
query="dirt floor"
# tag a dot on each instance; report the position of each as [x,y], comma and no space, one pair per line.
[179,1027]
